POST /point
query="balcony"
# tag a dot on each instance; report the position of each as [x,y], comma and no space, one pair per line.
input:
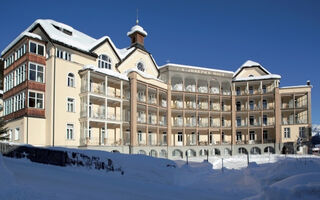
[152,100]
[301,121]
[191,105]
[203,124]
[203,89]
[163,103]
[191,122]
[97,89]
[214,124]
[214,90]
[177,87]
[141,98]
[178,122]
[203,106]
[152,119]
[191,88]
[177,104]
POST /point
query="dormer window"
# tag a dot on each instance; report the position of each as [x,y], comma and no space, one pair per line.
[140,66]
[104,62]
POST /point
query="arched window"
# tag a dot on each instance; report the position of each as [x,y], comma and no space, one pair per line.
[70,80]
[104,62]
[140,66]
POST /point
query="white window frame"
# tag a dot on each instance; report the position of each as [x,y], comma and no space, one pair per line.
[302,132]
[36,92]
[180,137]
[143,66]
[62,54]
[104,64]
[17,133]
[239,136]
[71,104]
[37,48]
[70,127]
[252,135]
[37,65]
[71,78]
[287,133]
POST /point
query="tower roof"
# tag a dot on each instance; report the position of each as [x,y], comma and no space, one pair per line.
[137,28]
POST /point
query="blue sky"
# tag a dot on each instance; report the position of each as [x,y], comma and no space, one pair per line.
[284,36]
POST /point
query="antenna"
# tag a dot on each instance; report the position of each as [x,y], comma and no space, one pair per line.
[137,21]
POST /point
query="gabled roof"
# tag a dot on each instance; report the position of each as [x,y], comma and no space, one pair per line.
[66,35]
[248,64]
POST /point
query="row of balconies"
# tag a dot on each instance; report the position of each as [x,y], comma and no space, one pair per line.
[200,89]
[151,100]
[291,104]
[254,90]
[201,106]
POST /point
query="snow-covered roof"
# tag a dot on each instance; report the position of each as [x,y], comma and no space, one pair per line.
[74,38]
[137,28]
[196,67]
[25,33]
[295,86]
[143,74]
[250,63]
[106,71]
[270,76]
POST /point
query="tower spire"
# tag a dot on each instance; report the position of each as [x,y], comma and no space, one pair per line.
[137,21]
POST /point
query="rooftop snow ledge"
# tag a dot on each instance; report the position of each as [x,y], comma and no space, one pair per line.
[137,28]
[196,67]
[25,33]
[106,71]
[271,76]
[295,86]
[250,63]
[143,74]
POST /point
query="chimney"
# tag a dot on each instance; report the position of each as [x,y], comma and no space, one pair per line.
[308,82]
[137,35]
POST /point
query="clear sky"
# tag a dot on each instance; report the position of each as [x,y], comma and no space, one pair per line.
[284,36]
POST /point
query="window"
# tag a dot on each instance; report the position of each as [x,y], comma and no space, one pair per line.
[10,134]
[250,90]
[264,104]
[265,120]
[222,106]
[238,121]
[104,62]
[36,72]
[14,103]
[251,75]
[36,48]
[36,100]
[251,119]
[139,136]
[265,135]
[286,132]
[20,75]
[70,80]
[193,138]
[70,132]
[21,51]
[179,136]
[238,105]
[238,91]
[222,121]
[264,89]
[17,134]
[63,54]
[223,137]
[140,66]
[251,105]
[164,138]
[252,135]
[89,133]
[239,136]
[70,105]
[211,138]
[301,132]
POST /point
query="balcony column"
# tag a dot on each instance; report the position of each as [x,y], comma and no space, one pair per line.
[169,120]
[147,114]
[106,99]
[105,133]
[277,117]
[294,108]
[88,111]
[158,116]
[121,112]
[233,118]
[133,106]
[309,108]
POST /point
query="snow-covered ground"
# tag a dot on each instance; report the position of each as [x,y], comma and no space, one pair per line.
[267,177]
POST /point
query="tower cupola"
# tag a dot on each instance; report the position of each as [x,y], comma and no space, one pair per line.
[137,35]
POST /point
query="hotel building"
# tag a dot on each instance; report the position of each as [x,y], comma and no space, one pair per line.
[65,88]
